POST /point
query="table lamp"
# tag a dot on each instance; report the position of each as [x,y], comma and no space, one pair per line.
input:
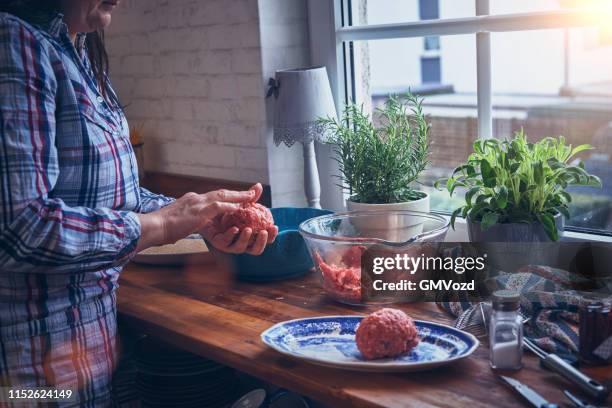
[303,96]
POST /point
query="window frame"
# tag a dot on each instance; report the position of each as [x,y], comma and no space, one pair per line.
[331,45]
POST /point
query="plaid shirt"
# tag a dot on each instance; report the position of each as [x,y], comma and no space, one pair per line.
[68,196]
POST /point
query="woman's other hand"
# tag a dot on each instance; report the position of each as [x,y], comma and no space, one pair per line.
[193,213]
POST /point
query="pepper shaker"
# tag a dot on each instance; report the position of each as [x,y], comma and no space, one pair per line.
[595,329]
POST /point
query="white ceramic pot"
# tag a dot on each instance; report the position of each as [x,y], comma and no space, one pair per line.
[394,229]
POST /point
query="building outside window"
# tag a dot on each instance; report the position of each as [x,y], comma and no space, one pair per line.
[431,43]
[548,81]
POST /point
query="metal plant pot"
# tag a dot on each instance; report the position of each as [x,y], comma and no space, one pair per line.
[511,246]
[512,232]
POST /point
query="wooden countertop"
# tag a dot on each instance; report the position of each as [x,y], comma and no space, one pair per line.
[202,309]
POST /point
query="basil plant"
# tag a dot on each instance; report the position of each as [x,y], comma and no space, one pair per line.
[515,181]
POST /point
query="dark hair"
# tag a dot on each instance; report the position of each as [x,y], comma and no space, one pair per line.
[98,58]
[41,11]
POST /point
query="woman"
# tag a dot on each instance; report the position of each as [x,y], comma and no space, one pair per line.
[71,210]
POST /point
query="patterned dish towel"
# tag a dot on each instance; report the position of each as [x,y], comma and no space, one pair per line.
[550,304]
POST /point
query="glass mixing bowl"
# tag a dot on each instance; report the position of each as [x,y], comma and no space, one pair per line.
[336,243]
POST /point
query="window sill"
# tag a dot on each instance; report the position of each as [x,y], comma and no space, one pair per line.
[460,234]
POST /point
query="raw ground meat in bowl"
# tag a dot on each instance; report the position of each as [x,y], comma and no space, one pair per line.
[336,243]
[341,281]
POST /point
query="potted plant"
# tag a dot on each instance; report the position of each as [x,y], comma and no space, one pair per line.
[516,190]
[381,156]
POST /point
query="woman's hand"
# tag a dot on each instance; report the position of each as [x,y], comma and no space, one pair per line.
[230,241]
[235,241]
[195,213]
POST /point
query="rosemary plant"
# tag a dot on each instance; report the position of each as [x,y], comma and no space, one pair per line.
[380,157]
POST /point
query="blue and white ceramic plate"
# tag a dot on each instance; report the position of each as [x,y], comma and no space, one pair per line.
[330,341]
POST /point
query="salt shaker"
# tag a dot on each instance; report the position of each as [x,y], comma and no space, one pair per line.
[506,331]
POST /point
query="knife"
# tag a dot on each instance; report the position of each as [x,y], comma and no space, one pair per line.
[535,399]
[577,401]
[555,363]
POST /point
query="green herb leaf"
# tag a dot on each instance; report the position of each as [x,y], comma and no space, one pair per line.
[454,216]
[580,148]
[594,181]
[470,193]
[450,185]
[502,197]
[548,222]
[488,220]
[565,196]
[538,172]
[564,211]
[488,174]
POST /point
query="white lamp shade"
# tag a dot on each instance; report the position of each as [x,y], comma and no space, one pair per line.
[304,96]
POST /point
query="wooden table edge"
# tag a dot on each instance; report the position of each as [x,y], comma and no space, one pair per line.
[238,362]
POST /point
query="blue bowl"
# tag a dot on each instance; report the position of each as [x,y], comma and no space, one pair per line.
[287,257]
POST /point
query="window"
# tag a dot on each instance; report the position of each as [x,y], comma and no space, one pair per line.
[431,43]
[428,9]
[455,125]
[566,89]
[408,11]
[430,70]
[541,65]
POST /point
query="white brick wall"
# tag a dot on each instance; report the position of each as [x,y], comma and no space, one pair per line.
[284,45]
[190,72]
[193,72]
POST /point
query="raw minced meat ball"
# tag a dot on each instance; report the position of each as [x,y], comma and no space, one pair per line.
[386,333]
[249,215]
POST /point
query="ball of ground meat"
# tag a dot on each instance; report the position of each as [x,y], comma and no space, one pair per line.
[386,333]
[249,215]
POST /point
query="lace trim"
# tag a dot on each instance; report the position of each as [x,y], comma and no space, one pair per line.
[312,131]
